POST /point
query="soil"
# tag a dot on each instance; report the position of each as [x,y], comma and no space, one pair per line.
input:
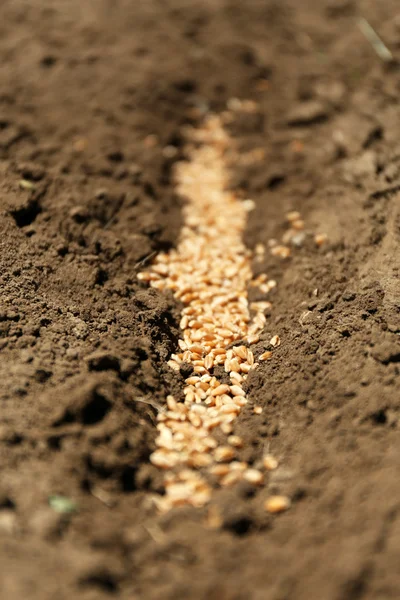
[91,95]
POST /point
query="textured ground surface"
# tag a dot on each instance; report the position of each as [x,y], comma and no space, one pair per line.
[90,95]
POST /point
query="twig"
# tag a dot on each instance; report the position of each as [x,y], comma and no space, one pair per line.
[144,260]
[380,48]
[155,405]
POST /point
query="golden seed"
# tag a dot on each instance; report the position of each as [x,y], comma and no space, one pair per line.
[275,341]
[257,410]
[270,462]
[192,380]
[184,322]
[219,470]
[224,454]
[277,504]
[240,400]
[293,215]
[231,478]
[238,466]
[235,441]
[173,364]
[228,409]
[250,357]
[182,345]
[265,355]
[236,390]
[240,351]
[160,460]
[226,428]
[200,460]
[320,239]
[171,403]
[253,476]
[208,362]
[281,251]
[237,377]
[298,225]
[221,389]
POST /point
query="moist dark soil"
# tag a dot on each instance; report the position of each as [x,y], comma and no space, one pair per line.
[93,98]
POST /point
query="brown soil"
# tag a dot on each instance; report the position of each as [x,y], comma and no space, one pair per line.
[83,86]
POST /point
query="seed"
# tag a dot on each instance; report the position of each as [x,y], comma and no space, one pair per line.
[144,276]
[253,476]
[189,397]
[231,478]
[235,366]
[293,215]
[192,380]
[226,428]
[253,339]
[210,442]
[200,460]
[320,239]
[184,322]
[236,390]
[240,351]
[201,498]
[238,466]
[182,345]
[229,409]
[176,358]
[221,389]
[236,376]
[220,351]
[208,362]
[179,491]
[257,410]
[186,356]
[239,400]
[196,348]
[171,403]
[195,420]
[270,462]
[161,460]
[225,333]
[277,504]
[264,356]
[173,364]
[212,423]
[235,441]
[219,470]
[260,306]
[250,357]
[281,251]
[275,341]
[224,454]
[298,225]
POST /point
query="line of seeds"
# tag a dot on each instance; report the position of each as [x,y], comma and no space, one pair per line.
[209,273]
